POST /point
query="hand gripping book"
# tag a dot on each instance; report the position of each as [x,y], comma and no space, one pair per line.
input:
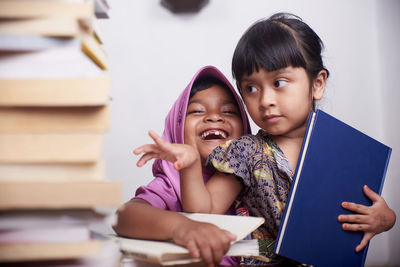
[335,162]
[168,253]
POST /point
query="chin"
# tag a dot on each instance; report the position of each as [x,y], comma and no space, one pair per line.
[208,146]
[205,153]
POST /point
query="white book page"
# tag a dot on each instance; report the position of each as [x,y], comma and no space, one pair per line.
[57,234]
[241,226]
[66,61]
[169,253]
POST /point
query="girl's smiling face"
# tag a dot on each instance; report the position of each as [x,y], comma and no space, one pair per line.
[212,118]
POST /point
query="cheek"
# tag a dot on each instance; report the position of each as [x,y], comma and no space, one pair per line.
[253,112]
[188,133]
[237,128]
[204,152]
[189,137]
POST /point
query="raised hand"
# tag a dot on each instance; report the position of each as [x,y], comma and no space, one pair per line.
[181,155]
[372,220]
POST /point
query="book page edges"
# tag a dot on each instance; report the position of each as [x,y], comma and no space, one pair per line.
[81,91]
[168,253]
[89,119]
[51,148]
[48,251]
[33,9]
[54,26]
[60,195]
[52,172]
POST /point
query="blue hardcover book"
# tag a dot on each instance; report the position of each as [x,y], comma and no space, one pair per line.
[335,162]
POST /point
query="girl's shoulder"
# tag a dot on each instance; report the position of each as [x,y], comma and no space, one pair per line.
[261,138]
[245,144]
[247,139]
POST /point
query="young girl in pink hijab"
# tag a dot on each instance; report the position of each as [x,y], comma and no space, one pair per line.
[206,114]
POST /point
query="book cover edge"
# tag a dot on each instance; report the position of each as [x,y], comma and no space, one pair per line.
[286,214]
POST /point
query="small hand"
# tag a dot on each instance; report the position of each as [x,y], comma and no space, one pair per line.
[181,155]
[372,220]
[203,240]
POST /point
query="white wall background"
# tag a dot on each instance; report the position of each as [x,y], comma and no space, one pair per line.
[153,55]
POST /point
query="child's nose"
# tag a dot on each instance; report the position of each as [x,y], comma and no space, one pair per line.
[214,117]
[267,98]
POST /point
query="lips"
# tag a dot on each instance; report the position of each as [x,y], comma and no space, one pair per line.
[271,117]
[211,134]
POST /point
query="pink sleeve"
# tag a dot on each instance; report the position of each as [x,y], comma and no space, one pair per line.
[160,194]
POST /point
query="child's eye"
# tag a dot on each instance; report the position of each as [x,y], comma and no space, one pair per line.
[195,111]
[280,83]
[231,112]
[251,89]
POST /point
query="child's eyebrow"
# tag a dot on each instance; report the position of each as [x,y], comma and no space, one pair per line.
[195,102]
[286,70]
[229,102]
[246,80]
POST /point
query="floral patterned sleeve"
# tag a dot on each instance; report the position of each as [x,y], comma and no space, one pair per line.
[266,176]
[235,157]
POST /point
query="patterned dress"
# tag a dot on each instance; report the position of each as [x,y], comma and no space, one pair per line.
[266,176]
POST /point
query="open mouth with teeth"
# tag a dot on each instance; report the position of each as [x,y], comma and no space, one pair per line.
[213,134]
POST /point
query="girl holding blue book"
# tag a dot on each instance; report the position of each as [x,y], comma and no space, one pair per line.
[279,72]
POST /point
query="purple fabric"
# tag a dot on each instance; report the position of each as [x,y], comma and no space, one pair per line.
[164,190]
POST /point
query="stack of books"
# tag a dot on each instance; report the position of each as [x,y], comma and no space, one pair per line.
[54,111]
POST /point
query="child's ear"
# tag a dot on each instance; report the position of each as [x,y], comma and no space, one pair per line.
[318,87]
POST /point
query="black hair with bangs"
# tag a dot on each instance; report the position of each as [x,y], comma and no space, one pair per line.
[280,41]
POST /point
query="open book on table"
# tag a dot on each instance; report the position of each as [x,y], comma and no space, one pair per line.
[168,253]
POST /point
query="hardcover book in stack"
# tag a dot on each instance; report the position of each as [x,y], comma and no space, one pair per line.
[54,112]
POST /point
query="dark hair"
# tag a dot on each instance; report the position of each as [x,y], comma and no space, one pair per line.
[205,82]
[280,41]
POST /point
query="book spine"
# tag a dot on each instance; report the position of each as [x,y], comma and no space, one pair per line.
[286,214]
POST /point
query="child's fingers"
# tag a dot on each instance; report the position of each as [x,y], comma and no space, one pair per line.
[145,158]
[366,238]
[357,208]
[231,236]
[138,150]
[371,194]
[177,165]
[193,250]
[159,141]
[206,254]
[355,227]
[353,219]
[146,149]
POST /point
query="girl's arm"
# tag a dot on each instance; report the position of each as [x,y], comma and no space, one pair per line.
[202,239]
[215,197]
[138,219]
[186,158]
[372,220]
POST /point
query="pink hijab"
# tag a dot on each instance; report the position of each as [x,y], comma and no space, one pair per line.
[164,190]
